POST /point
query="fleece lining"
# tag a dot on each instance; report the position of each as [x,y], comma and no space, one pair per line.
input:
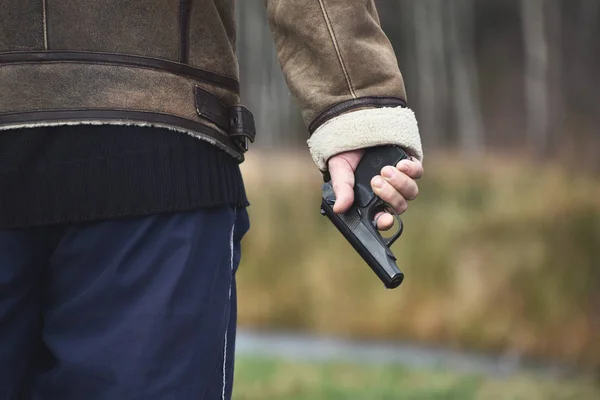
[130,123]
[366,128]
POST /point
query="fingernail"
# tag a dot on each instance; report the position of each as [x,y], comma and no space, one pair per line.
[388,172]
[378,182]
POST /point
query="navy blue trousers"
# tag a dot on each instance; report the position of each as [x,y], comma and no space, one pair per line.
[134,308]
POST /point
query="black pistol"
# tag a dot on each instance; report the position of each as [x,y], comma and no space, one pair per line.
[358,224]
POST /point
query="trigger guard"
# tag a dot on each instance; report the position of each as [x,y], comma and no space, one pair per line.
[389,209]
[379,205]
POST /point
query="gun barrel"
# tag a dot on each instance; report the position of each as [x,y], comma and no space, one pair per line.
[369,246]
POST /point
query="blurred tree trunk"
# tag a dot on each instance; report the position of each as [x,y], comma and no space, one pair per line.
[536,74]
[582,70]
[428,109]
[554,34]
[469,120]
[264,88]
[587,28]
[440,69]
[428,25]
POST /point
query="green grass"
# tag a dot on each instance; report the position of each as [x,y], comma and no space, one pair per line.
[269,379]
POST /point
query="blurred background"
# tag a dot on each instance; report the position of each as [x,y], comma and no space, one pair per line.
[501,251]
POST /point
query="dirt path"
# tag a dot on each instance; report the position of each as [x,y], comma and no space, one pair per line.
[312,348]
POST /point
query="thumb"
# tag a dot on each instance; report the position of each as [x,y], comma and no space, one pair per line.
[342,180]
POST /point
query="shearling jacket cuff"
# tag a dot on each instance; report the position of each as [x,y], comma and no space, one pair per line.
[366,128]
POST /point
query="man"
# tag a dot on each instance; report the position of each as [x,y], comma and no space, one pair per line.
[122,206]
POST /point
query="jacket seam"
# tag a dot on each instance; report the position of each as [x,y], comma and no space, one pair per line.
[109,64]
[45,22]
[183,30]
[83,53]
[230,83]
[336,47]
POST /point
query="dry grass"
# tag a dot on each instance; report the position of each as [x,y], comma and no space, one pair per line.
[502,255]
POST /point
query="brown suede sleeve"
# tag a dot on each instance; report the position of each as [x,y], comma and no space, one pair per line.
[332,51]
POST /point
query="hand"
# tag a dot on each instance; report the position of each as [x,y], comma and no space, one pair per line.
[396,185]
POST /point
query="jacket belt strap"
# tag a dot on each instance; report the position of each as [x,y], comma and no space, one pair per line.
[237,121]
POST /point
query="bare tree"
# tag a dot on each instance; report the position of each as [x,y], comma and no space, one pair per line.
[431,66]
[554,35]
[536,74]
[426,74]
[440,64]
[582,71]
[263,85]
[465,76]
[582,67]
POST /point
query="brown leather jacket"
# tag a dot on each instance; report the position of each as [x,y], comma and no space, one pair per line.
[172,63]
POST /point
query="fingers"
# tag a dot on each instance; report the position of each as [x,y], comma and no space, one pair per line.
[397,186]
[389,194]
[384,221]
[401,182]
[342,179]
[411,167]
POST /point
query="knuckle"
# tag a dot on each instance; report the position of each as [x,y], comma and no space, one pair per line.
[411,191]
[406,166]
[383,196]
[389,192]
[410,168]
[337,185]
[405,183]
[419,173]
[402,206]
[415,193]
[416,171]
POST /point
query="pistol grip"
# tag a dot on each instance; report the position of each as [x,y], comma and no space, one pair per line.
[370,165]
